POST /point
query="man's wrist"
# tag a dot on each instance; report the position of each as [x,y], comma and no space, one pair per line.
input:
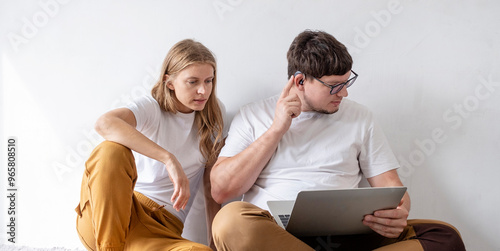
[276,130]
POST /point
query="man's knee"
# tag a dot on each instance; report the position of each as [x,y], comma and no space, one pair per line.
[200,247]
[437,235]
[239,218]
[227,218]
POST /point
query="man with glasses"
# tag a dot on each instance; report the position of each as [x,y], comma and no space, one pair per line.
[310,137]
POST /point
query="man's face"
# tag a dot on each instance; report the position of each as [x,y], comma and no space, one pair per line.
[317,96]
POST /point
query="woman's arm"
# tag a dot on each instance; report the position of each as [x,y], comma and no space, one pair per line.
[119,126]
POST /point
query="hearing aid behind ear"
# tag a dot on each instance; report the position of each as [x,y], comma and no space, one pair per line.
[301,82]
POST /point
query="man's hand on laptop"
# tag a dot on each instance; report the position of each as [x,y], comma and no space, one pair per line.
[389,223]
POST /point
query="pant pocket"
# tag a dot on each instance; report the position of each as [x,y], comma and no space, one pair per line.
[84,196]
[84,219]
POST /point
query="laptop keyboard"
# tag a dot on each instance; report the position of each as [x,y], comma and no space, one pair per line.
[284,219]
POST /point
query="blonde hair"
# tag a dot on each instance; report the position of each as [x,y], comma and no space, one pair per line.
[209,120]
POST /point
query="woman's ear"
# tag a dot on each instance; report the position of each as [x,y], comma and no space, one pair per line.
[168,82]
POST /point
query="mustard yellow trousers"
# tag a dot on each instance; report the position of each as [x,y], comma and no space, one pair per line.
[111,216]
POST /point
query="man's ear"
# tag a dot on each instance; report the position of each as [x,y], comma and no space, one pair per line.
[299,78]
[168,82]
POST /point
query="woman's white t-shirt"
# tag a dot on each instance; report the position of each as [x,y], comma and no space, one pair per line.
[176,133]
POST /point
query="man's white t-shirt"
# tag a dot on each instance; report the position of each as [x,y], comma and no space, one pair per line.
[178,134]
[319,151]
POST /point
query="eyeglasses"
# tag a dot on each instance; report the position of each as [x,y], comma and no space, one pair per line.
[336,88]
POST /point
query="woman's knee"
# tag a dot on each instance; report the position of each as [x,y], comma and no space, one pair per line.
[109,156]
[111,150]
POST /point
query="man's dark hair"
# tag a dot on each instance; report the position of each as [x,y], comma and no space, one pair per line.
[318,54]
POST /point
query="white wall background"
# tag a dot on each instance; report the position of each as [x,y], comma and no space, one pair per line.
[429,70]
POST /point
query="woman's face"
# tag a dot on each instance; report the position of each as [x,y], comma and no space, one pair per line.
[192,87]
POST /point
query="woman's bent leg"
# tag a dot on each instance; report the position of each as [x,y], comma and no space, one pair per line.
[106,195]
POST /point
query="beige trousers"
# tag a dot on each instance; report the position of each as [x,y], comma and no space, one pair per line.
[241,226]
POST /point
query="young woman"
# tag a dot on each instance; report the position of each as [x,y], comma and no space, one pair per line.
[139,200]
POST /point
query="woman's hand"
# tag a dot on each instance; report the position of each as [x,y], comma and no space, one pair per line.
[181,194]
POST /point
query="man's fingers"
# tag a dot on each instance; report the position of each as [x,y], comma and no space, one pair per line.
[292,100]
[398,213]
[288,87]
[383,229]
[401,203]
[294,109]
[292,105]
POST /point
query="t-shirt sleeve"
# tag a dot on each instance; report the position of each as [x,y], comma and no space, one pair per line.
[240,136]
[146,111]
[376,156]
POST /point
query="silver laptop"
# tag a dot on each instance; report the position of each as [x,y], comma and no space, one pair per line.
[333,212]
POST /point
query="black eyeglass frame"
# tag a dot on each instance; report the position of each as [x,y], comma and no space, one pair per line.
[347,84]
